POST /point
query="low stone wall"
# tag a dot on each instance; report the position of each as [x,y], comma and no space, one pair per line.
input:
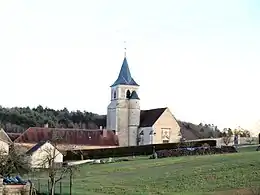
[14,189]
[241,141]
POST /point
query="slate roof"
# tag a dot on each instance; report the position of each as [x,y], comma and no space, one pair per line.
[35,147]
[149,117]
[69,136]
[134,96]
[124,77]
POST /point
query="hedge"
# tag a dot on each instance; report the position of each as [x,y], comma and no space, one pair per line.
[133,150]
[194,151]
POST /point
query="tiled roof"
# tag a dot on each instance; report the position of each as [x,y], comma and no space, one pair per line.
[149,117]
[124,77]
[69,136]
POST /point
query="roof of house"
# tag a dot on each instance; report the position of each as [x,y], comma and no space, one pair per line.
[35,147]
[69,136]
[189,132]
[4,137]
[149,117]
[13,136]
[124,77]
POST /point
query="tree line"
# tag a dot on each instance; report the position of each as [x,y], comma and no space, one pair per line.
[18,119]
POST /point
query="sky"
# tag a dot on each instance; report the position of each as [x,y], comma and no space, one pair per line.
[200,58]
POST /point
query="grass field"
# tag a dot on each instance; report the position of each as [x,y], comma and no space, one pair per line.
[212,174]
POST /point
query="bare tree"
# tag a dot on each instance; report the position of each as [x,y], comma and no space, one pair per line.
[226,139]
[15,162]
[227,135]
[56,171]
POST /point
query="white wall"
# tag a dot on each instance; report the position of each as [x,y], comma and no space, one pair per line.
[146,138]
[220,141]
[40,156]
[4,147]
[167,122]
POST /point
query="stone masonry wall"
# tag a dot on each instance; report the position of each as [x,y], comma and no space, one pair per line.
[14,189]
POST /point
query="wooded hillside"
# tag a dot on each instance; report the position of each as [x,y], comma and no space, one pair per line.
[17,120]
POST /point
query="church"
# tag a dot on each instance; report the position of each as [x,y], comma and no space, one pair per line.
[125,124]
[132,125]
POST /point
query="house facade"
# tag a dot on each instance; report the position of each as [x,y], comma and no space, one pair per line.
[158,126]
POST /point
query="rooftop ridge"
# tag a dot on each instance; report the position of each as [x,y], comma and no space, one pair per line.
[66,129]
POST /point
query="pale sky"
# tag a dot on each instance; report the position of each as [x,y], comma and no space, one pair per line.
[200,58]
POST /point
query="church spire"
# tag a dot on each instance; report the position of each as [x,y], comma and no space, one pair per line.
[124,77]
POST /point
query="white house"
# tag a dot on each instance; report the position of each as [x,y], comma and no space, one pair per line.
[42,152]
[4,142]
[158,126]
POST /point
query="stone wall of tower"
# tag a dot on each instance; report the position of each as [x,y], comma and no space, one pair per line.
[122,122]
[134,121]
[123,115]
[111,118]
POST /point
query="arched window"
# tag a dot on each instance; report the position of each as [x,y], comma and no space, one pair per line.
[128,94]
[114,95]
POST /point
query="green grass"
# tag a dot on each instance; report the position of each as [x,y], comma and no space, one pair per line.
[247,149]
[180,175]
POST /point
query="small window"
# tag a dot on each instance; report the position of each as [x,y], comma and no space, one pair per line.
[128,94]
[114,95]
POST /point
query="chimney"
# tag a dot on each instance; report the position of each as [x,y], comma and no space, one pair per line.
[104,132]
[46,125]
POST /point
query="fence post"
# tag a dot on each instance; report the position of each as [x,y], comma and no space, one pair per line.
[39,186]
[60,187]
[70,182]
[48,187]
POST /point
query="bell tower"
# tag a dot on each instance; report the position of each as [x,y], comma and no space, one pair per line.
[123,112]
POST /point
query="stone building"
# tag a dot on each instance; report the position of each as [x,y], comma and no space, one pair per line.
[130,124]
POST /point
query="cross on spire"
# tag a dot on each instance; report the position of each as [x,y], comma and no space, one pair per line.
[125,48]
